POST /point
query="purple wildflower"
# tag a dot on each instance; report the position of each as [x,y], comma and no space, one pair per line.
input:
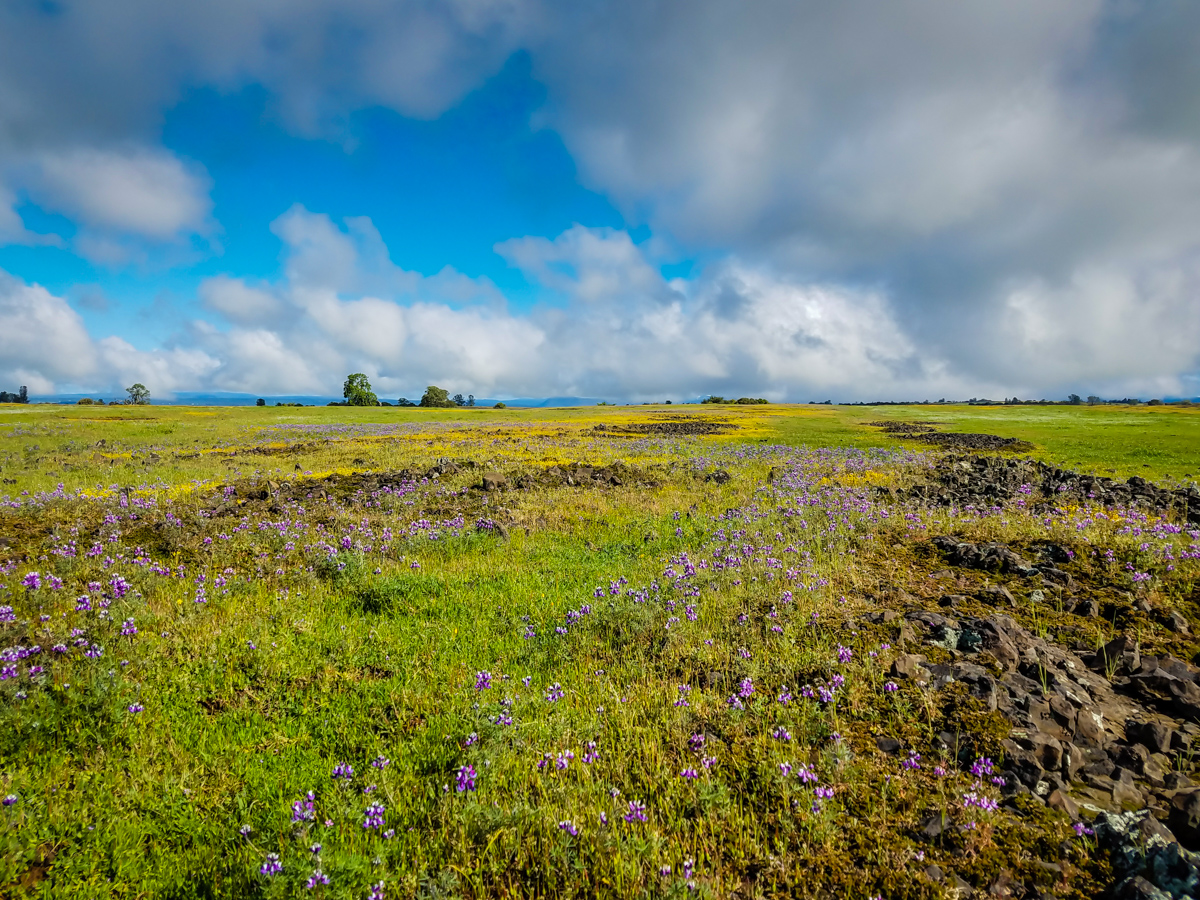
[317,877]
[272,866]
[569,827]
[373,817]
[637,812]
[483,681]
[465,778]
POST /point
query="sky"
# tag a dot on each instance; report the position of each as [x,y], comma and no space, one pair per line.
[797,200]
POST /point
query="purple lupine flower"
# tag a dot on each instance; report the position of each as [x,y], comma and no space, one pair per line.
[844,654]
[483,681]
[569,827]
[913,761]
[317,877]
[343,771]
[245,830]
[982,766]
[380,762]
[373,818]
[555,693]
[589,753]
[806,775]
[695,742]
[689,774]
[465,778]
[315,849]
[7,614]
[272,866]
[83,604]
[781,734]
[637,812]
[9,800]
[471,739]
[118,586]
[128,629]
[746,688]
[32,581]
[376,892]
[785,768]
[136,707]
[302,810]
[890,686]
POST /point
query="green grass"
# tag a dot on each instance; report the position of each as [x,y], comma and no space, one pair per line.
[300,661]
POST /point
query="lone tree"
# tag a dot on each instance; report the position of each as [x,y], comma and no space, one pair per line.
[357,391]
[436,397]
[138,394]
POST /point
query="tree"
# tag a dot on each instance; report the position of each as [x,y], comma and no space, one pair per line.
[436,397]
[357,391]
[260,402]
[138,394]
[470,399]
[404,401]
[23,394]
[1074,399]
[459,400]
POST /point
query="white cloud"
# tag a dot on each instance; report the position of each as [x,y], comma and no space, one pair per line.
[618,328]
[238,302]
[42,340]
[146,193]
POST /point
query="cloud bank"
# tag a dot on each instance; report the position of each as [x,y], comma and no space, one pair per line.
[917,199]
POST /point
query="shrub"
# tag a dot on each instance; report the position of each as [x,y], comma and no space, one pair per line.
[501,405]
[260,402]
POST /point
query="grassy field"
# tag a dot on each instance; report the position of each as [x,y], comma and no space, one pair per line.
[278,654]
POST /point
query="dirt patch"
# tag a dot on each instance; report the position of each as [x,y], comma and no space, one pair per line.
[903,427]
[926,433]
[670,428]
[957,441]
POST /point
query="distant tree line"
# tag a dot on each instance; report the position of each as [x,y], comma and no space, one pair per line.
[744,401]
[357,391]
[21,396]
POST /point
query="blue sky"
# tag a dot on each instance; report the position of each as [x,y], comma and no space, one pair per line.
[630,201]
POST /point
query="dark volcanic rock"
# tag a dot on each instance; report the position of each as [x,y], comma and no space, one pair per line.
[987,481]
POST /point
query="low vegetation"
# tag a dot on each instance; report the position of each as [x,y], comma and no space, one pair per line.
[387,653]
